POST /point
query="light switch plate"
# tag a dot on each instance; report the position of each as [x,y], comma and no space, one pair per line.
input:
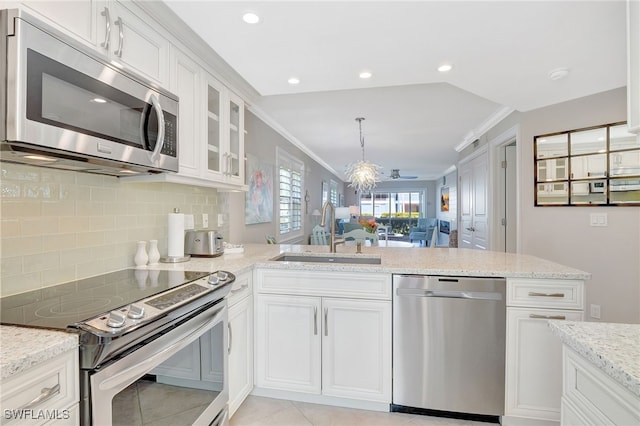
[598,219]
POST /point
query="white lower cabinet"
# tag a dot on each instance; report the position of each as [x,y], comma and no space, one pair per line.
[331,346]
[533,353]
[45,394]
[356,355]
[591,398]
[240,352]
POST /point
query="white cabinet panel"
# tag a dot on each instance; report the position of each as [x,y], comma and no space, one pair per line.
[77,18]
[592,397]
[23,388]
[288,342]
[356,349]
[534,363]
[240,352]
[185,82]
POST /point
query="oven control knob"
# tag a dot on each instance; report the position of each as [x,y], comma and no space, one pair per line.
[223,275]
[214,280]
[116,319]
[135,312]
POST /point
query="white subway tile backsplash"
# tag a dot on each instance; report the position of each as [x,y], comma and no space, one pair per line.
[39,226]
[41,262]
[21,246]
[59,226]
[59,242]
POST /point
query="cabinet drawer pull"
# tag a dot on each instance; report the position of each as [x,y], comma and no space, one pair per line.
[45,394]
[536,294]
[554,317]
[239,289]
[315,320]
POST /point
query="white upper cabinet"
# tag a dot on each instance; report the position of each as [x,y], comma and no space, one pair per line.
[77,18]
[115,29]
[224,133]
[133,42]
[185,82]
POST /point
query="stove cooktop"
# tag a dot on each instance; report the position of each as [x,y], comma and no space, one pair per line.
[59,306]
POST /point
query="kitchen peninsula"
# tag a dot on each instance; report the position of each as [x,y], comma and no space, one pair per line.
[359,287]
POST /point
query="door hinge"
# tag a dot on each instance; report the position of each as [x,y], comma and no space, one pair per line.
[503,221]
[504,165]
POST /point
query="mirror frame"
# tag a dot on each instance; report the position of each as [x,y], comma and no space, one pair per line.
[559,188]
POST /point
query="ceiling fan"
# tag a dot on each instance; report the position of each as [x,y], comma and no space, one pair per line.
[395,174]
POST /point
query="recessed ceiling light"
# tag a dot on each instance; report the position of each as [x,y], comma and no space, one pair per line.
[365,74]
[99,100]
[558,73]
[250,18]
[445,67]
[294,80]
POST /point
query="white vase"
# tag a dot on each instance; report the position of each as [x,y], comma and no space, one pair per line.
[154,254]
[141,258]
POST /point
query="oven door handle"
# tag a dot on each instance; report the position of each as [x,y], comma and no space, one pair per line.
[150,362]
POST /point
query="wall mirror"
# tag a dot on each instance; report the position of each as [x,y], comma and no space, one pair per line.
[594,166]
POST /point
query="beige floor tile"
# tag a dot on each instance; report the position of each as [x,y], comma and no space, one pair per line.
[257,411]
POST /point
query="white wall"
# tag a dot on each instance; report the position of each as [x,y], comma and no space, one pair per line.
[563,234]
[261,141]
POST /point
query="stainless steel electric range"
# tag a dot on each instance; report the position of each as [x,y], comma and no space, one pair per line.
[153,343]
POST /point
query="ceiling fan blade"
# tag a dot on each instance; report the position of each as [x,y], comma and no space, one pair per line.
[395,174]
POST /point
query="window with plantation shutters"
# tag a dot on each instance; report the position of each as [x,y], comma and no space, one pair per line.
[290,172]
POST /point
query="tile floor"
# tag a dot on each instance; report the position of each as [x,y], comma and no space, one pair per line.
[258,411]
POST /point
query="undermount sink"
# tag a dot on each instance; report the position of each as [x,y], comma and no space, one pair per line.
[360,260]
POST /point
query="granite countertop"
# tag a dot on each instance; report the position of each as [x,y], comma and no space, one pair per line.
[416,260]
[613,348]
[22,348]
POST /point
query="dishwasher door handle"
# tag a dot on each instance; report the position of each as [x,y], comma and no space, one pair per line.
[449,294]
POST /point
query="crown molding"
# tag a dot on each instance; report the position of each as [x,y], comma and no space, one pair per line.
[485,126]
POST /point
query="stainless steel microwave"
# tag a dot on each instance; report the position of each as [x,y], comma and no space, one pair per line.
[65,106]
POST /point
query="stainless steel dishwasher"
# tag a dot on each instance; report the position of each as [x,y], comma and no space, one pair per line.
[449,346]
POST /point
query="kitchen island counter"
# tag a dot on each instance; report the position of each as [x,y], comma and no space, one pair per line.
[395,260]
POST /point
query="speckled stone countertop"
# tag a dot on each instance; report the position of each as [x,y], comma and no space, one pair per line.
[415,260]
[613,348]
[22,348]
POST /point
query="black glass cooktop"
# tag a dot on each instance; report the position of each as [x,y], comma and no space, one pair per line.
[65,304]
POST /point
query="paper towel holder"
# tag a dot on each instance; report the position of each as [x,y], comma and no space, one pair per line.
[176,259]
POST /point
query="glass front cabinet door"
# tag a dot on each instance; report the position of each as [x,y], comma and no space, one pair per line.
[224,134]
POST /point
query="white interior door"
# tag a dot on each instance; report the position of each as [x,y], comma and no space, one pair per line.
[474,209]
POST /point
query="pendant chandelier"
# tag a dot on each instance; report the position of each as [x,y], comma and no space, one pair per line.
[363,174]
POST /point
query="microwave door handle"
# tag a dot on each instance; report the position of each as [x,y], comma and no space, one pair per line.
[160,139]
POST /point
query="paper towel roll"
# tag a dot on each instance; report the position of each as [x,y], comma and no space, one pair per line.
[176,235]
